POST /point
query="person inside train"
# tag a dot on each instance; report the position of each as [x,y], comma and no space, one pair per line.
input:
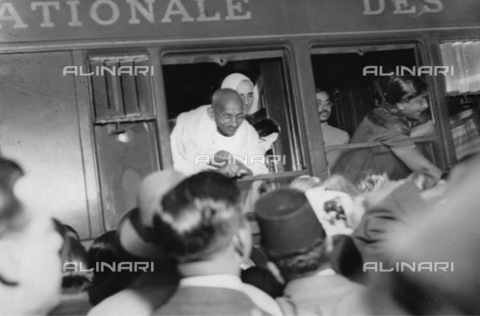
[296,242]
[217,138]
[244,86]
[267,128]
[403,101]
[30,264]
[331,135]
[204,228]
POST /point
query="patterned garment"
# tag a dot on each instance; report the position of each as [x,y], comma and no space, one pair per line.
[465,128]
[389,127]
[390,117]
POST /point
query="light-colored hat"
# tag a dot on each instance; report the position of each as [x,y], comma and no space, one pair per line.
[135,230]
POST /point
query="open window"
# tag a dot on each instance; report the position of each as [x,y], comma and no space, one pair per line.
[463,94]
[348,75]
[191,78]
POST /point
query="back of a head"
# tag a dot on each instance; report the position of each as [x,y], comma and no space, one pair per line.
[201,215]
[106,249]
[397,89]
[290,229]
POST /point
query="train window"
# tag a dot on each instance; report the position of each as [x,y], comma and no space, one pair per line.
[192,78]
[463,66]
[347,77]
[462,80]
[125,128]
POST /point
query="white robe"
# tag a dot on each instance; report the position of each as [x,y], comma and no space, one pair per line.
[195,140]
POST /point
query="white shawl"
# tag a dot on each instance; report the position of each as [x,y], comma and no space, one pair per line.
[195,140]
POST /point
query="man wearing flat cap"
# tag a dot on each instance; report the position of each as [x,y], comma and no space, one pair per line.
[295,241]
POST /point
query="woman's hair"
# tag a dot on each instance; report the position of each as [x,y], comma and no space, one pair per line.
[397,89]
[106,249]
[201,215]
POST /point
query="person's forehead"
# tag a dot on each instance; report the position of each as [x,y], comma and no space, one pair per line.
[245,85]
[322,95]
[231,107]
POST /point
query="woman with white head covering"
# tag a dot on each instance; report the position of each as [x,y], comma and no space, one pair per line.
[244,86]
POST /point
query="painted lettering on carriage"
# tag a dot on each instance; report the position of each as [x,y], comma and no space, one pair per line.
[109,12]
[409,7]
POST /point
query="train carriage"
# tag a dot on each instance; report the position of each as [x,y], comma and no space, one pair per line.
[91,88]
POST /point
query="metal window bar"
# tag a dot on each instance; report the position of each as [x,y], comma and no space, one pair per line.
[124,97]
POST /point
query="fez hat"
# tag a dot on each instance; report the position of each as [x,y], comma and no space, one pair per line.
[287,222]
[135,231]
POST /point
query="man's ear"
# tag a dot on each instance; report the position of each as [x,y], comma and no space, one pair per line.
[211,112]
[244,241]
[275,272]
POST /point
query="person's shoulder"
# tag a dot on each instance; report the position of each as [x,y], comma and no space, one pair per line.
[336,133]
[203,109]
[126,302]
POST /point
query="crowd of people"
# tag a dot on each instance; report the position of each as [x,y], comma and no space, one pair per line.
[383,242]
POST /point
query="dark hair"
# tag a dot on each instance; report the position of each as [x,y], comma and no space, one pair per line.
[302,262]
[397,89]
[200,216]
[320,89]
[106,249]
[74,280]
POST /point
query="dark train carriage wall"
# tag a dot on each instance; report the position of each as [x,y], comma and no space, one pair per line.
[46,119]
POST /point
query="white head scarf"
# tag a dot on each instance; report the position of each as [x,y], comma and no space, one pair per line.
[233,80]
